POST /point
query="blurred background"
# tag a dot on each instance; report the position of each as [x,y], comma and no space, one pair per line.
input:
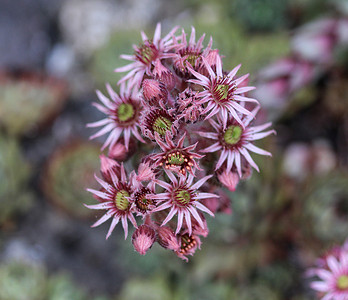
[54,54]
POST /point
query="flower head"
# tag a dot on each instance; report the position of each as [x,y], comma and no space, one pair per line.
[221,92]
[333,277]
[182,197]
[114,197]
[189,53]
[176,158]
[235,140]
[123,113]
[158,120]
[146,55]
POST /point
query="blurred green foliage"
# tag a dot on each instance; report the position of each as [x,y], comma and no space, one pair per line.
[107,58]
[28,281]
[28,101]
[15,196]
[69,172]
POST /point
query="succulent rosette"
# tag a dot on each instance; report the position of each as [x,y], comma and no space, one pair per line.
[192,127]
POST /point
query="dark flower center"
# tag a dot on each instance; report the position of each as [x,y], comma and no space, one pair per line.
[232,134]
[121,200]
[140,200]
[187,243]
[342,282]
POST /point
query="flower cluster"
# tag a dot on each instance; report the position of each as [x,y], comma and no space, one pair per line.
[332,274]
[182,125]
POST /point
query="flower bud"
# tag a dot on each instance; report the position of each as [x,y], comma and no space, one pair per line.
[154,91]
[143,238]
[120,152]
[164,75]
[108,164]
[229,179]
[145,172]
[167,239]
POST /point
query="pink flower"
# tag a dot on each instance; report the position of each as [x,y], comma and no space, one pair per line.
[221,92]
[146,55]
[182,197]
[176,158]
[234,141]
[190,52]
[333,279]
[123,113]
[140,197]
[143,238]
[158,120]
[114,197]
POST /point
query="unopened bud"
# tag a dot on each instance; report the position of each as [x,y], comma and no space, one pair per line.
[154,91]
[145,172]
[229,179]
[164,75]
[143,238]
[167,239]
[108,165]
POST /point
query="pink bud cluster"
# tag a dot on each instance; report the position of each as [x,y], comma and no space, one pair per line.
[313,50]
[181,125]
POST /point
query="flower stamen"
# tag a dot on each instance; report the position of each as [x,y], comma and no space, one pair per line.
[342,282]
[161,125]
[121,200]
[125,112]
[182,197]
[233,134]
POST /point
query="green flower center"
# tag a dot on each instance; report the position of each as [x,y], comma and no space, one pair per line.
[175,158]
[147,53]
[192,59]
[222,91]
[182,197]
[121,201]
[161,125]
[233,134]
[125,112]
[342,282]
